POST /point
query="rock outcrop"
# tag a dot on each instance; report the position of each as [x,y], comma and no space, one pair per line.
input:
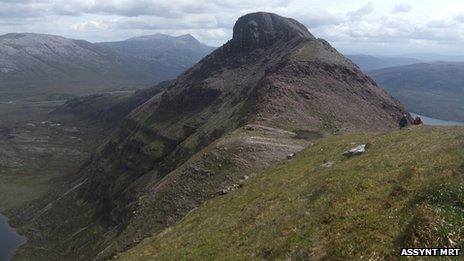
[180,148]
[260,30]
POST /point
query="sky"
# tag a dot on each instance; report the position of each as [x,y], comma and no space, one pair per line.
[382,27]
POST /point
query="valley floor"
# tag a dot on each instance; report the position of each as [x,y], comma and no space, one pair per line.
[36,153]
[407,190]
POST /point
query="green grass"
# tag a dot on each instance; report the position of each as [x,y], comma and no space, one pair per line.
[406,191]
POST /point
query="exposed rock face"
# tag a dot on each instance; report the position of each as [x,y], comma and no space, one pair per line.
[263,29]
[180,148]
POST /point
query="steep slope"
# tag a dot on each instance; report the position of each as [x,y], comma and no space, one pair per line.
[262,96]
[106,109]
[431,89]
[370,206]
[175,53]
[369,63]
[36,64]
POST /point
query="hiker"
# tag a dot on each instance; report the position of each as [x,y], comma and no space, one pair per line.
[404,121]
[417,121]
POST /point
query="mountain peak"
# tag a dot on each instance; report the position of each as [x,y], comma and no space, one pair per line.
[284,80]
[16,36]
[186,37]
[262,29]
[150,37]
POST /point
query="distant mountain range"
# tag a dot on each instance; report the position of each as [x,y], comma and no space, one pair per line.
[434,57]
[369,62]
[175,53]
[48,64]
[432,89]
[262,96]
[376,62]
[273,147]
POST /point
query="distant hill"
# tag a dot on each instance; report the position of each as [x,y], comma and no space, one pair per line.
[32,64]
[175,53]
[368,62]
[434,57]
[264,95]
[431,89]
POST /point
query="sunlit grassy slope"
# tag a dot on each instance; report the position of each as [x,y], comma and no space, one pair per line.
[407,190]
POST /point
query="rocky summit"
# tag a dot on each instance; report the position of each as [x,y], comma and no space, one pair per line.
[263,29]
[264,95]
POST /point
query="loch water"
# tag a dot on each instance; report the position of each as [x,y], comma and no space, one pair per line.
[437,122]
[10,240]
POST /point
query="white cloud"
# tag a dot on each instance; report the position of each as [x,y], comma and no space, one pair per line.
[346,24]
[401,8]
[459,18]
[363,11]
[116,7]
[317,18]
[90,26]
[173,9]
[22,9]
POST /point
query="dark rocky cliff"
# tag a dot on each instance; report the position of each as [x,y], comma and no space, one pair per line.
[231,115]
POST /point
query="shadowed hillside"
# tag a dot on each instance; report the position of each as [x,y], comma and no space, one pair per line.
[263,96]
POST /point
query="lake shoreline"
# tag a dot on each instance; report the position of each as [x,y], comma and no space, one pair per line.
[436,122]
[10,239]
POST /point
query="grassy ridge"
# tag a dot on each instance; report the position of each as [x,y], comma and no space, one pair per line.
[407,190]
